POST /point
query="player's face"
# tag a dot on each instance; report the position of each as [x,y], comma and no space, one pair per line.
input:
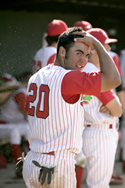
[77,57]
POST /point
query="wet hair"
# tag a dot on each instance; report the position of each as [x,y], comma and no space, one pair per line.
[52,39]
[66,39]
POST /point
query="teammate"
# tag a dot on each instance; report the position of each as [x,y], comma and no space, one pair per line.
[83,24]
[100,137]
[55,111]
[79,169]
[13,122]
[47,54]
[122,66]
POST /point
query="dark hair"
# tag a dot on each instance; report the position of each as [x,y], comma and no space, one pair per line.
[52,39]
[66,39]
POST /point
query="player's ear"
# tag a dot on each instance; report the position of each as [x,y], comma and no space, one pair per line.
[62,51]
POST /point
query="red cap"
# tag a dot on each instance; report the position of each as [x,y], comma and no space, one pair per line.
[56,27]
[101,35]
[84,24]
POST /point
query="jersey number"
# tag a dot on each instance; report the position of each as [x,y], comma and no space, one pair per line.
[43,101]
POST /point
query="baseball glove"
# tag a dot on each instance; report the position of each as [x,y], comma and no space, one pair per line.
[19,166]
[45,173]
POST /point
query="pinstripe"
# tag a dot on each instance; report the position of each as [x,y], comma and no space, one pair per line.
[60,131]
[64,175]
[99,142]
[51,128]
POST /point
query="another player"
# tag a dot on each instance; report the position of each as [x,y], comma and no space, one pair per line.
[55,111]
[13,122]
[83,24]
[122,66]
[100,136]
[100,127]
[47,54]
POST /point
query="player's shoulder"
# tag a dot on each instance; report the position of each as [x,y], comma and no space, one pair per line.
[45,52]
[113,53]
[90,67]
[21,90]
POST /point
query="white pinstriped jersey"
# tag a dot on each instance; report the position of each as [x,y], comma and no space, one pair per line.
[91,109]
[42,57]
[54,124]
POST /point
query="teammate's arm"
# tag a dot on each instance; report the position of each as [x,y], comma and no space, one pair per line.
[111,102]
[115,107]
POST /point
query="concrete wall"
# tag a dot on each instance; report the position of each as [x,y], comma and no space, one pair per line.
[21,36]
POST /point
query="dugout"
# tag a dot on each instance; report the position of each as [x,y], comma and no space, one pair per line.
[23,23]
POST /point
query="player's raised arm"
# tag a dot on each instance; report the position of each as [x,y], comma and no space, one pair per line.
[110,77]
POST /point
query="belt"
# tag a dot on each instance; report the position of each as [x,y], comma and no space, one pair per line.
[50,153]
[110,126]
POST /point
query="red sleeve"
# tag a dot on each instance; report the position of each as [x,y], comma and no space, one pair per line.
[20,99]
[27,104]
[51,59]
[116,60]
[75,83]
[106,97]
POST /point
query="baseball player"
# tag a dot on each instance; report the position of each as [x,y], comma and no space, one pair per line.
[122,144]
[83,24]
[100,128]
[47,54]
[55,111]
[100,136]
[13,123]
[119,90]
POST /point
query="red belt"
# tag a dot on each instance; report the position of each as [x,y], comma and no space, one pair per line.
[50,153]
[110,126]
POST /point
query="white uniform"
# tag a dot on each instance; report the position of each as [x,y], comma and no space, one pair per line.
[122,66]
[43,57]
[16,125]
[54,126]
[100,139]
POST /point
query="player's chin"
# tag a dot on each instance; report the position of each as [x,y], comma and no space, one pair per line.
[79,68]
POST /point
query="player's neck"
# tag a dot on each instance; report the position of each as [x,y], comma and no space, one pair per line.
[54,44]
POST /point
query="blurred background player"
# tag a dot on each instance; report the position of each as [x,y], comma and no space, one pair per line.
[13,117]
[84,24]
[46,55]
[102,36]
[119,91]
[122,66]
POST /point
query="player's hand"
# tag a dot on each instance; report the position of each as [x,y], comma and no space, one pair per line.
[104,109]
[19,165]
[85,38]
[45,176]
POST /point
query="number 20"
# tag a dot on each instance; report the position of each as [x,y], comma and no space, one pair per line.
[31,98]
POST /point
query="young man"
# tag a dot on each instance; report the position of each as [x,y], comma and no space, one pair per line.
[83,24]
[100,136]
[122,144]
[46,55]
[55,113]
